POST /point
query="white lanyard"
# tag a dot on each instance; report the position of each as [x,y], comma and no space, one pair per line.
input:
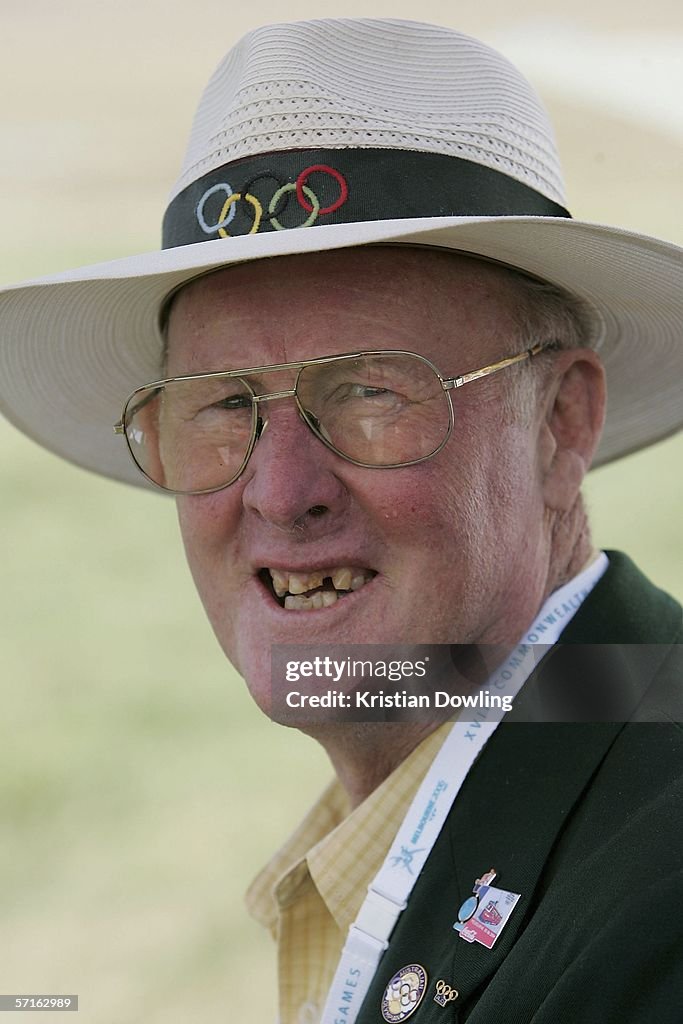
[388,893]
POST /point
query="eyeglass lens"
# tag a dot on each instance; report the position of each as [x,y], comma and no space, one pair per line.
[385,409]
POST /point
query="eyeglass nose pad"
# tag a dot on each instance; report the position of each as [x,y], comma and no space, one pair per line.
[261,425]
[312,420]
[308,417]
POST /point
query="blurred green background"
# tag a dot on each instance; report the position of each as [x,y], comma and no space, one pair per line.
[139,788]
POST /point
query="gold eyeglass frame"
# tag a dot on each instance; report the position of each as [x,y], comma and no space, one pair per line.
[147,392]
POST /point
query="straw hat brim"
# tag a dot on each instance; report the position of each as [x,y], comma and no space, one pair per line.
[76,344]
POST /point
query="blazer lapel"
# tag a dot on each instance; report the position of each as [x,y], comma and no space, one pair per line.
[522,790]
[509,820]
[507,817]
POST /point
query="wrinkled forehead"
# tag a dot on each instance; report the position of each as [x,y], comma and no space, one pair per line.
[304,306]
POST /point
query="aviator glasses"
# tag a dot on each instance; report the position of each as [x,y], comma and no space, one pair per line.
[380,409]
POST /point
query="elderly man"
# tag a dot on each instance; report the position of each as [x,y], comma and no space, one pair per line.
[377,431]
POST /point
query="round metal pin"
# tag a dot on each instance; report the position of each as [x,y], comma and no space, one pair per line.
[404,993]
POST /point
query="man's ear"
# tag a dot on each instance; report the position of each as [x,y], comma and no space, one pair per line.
[574,413]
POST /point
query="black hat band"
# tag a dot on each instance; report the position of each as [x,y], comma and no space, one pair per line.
[304,188]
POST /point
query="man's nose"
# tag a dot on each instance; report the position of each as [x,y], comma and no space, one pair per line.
[291,477]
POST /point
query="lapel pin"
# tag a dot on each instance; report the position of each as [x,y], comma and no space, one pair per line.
[445,993]
[484,914]
[469,908]
[404,993]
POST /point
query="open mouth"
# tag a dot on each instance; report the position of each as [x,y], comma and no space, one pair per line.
[321,588]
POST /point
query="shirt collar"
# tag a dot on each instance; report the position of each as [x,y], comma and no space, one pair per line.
[338,849]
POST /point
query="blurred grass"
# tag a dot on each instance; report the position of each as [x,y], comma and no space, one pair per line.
[139,787]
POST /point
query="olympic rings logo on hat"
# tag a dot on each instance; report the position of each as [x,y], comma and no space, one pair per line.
[308,201]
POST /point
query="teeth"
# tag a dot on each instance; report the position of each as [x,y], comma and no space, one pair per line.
[296,587]
[300,584]
[341,579]
[297,603]
[323,599]
[279,582]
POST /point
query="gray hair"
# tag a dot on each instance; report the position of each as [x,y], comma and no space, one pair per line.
[543,313]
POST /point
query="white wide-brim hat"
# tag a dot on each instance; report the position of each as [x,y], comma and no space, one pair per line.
[322,135]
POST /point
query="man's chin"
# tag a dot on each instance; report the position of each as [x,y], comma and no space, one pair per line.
[256,673]
[275,707]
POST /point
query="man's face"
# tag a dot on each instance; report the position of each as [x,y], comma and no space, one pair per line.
[451,550]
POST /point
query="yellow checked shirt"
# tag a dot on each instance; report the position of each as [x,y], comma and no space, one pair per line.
[312,889]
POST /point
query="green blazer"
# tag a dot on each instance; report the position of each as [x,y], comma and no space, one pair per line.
[584,821]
